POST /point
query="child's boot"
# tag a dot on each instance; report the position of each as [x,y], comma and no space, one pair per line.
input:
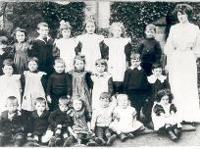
[123,137]
[52,142]
[171,134]
[100,141]
[91,142]
[131,135]
[177,131]
[68,141]
[111,139]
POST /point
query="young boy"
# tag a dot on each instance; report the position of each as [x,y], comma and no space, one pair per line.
[136,85]
[5,52]
[101,119]
[42,48]
[12,125]
[39,120]
[149,49]
[59,84]
[60,123]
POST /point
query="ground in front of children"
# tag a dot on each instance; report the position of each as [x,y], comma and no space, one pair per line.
[188,138]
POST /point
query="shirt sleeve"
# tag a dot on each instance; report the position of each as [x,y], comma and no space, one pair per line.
[158,110]
[49,85]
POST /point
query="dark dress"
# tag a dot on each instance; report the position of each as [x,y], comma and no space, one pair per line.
[150,52]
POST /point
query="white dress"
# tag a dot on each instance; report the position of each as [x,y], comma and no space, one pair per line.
[67,51]
[182,47]
[117,57]
[33,89]
[10,86]
[126,120]
[100,84]
[90,48]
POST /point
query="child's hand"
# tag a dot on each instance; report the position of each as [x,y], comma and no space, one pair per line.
[49,99]
[75,135]
[58,131]
[47,136]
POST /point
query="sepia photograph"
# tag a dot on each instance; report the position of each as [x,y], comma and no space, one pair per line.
[99,73]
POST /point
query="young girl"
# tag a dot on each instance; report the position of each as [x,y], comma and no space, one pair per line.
[81,81]
[10,84]
[119,48]
[89,45]
[81,128]
[125,122]
[65,45]
[164,115]
[21,47]
[102,82]
[33,87]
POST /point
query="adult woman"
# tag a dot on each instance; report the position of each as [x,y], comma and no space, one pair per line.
[182,49]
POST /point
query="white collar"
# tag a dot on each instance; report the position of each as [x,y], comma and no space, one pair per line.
[139,68]
[152,79]
[40,38]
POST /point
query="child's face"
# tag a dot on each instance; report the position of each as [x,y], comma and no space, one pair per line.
[104,102]
[63,107]
[32,66]
[116,31]
[8,70]
[66,33]
[149,33]
[77,105]
[100,68]
[123,102]
[20,36]
[2,46]
[135,63]
[182,17]
[43,31]
[59,67]
[40,107]
[164,100]
[90,27]
[12,106]
[79,65]
[157,71]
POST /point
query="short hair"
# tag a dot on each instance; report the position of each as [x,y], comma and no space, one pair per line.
[79,57]
[135,56]
[63,26]
[64,100]
[44,24]
[59,60]
[184,9]
[8,62]
[12,99]
[18,29]
[3,40]
[102,62]
[150,27]
[105,95]
[162,93]
[156,65]
[34,59]
[40,100]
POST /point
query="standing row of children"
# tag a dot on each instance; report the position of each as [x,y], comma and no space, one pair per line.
[83,79]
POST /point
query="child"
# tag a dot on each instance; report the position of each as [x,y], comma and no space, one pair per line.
[10,84]
[164,115]
[5,52]
[33,85]
[125,123]
[119,54]
[21,47]
[102,82]
[11,124]
[59,84]
[81,129]
[157,81]
[136,85]
[65,45]
[149,49]
[39,120]
[60,123]
[101,119]
[81,81]
[89,45]
[42,48]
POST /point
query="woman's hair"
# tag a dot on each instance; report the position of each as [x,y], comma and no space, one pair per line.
[35,59]
[102,62]
[18,29]
[9,62]
[184,9]
[63,26]
[117,24]
[162,93]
